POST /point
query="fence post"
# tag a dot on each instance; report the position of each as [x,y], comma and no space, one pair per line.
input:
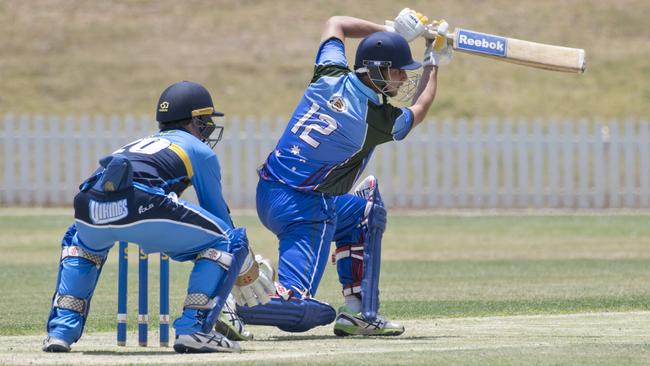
[250,164]
[432,163]
[614,164]
[583,164]
[402,159]
[387,174]
[70,171]
[236,153]
[538,164]
[567,156]
[644,164]
[447,165]
[55,185]
[84,156]
[24,158]
[40,171]
[416,186]
[462,144]
[493,167]
[629,152]
[523,163]
[508,199]
[552,149]
[600,138]
[9,160]
[477,163]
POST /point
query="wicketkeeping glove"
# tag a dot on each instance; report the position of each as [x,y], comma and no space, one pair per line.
[438,51]
[253,286]
[408,23]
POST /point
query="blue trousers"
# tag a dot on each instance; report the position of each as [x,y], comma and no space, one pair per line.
[306,223]
[157,223]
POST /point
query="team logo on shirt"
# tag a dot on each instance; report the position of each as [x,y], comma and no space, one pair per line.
[337,104]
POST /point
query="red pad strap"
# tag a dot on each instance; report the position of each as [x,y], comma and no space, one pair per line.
[355,251]
[352,288]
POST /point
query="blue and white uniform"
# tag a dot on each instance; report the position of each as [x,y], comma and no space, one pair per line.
[302,195]
[147,212]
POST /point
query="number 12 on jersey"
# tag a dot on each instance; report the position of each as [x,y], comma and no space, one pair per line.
[324,130]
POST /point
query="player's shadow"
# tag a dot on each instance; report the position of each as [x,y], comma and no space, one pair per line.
[357,337]
[296,338]
[129,353]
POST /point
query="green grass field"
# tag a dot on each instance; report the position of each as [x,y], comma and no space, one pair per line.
[520,277]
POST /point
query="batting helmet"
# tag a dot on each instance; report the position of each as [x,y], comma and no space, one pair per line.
[385,49]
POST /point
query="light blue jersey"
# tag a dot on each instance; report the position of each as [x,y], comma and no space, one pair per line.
[173,160]
[334,130]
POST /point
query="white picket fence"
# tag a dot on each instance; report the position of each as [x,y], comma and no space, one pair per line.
[442,164]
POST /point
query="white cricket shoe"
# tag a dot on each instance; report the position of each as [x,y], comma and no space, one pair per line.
[348,323]
[52,344]
[200,342]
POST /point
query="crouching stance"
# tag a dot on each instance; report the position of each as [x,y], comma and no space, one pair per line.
[133,197]
[303,191]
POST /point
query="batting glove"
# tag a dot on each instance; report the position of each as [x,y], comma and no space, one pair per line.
[408,23]
[438,51]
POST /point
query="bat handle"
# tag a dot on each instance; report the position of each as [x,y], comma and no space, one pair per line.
[430,33]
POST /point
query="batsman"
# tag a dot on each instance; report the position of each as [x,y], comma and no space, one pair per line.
[303,191]
[133,196]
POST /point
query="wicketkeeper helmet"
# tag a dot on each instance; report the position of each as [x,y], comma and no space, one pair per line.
[186,100]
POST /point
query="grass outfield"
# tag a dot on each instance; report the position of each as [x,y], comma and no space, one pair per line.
[449,278]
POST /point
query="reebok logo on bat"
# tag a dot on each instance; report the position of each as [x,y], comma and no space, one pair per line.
[481,42]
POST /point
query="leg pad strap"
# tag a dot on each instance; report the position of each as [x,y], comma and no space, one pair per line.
[352,289]
[70,302]
[198,301]
[224,259]
[77,251]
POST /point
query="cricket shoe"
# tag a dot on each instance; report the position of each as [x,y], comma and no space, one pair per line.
[200,342]
[52,344]
[348,323]
[230,324]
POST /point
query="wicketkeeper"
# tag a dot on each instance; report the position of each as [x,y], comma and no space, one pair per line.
[133,197]
[302,194]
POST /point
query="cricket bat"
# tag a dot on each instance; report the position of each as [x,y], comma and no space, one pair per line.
[517,51]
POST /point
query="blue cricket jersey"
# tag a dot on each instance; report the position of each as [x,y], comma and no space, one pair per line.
[334,129]
[175,159]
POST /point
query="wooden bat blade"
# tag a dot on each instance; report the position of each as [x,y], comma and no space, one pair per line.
[517,51]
